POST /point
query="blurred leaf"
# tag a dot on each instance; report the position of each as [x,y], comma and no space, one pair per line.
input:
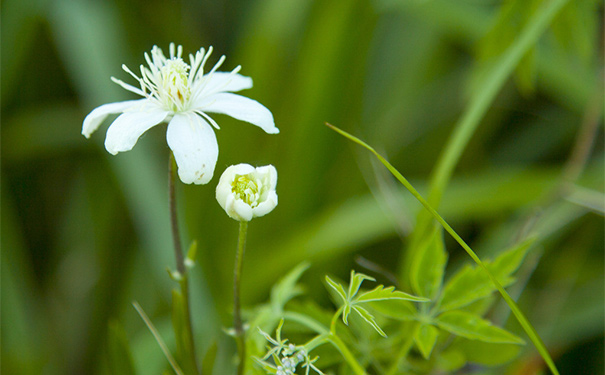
[485,353]
[209,359]
[425,338]
[396,309]
[471,283]
[512,17]
[286,288]
[471,326]
[120,356]
[451,359]
[428,266]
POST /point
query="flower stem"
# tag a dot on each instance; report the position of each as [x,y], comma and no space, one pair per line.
[237,318]
[180,266]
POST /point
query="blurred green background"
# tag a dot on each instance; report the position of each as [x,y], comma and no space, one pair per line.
[85,233]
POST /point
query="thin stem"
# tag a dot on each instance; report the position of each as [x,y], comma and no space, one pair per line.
[180,264]
[158,338]
[237,275]
[176,237]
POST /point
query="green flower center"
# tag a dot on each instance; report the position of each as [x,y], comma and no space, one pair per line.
[247,190]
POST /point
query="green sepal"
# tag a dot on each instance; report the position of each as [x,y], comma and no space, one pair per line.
[119,353]
[473,327]
[425,338]
[428,265]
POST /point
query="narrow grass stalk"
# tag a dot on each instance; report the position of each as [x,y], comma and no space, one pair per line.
[480,103]
[180,265]
[158,338]
[529,329]
[237,317]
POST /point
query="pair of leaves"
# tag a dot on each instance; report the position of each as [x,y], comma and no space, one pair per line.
[352,301]
[468,285]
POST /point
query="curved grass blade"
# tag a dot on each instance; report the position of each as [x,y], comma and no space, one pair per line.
[529,329]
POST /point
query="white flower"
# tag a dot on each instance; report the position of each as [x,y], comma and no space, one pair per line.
[245,192]
[182,95]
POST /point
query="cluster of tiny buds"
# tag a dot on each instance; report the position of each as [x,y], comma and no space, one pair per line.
[291,358]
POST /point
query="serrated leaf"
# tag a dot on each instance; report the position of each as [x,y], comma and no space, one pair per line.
[338,288]
[428,265]
[425,338]
[119,353]
[471,326]
[369,318]
[356,280]
[471,283]
[286,288]
[380,293]
[396,309]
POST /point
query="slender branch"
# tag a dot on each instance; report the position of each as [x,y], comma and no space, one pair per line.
[180,265]
[237,318]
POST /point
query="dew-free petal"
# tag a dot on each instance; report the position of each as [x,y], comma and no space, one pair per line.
[96,117]
[195,148]
[124,132]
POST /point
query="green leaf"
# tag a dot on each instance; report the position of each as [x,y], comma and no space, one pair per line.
[286,288]
[120,356]
[380,293]
[181,332]
[209,358]
[345,313]
[356,280]
[338,288]
[428,265]
[425,338]
[396,309]
[369,318]
[472,283]
[485,353]
[471,326]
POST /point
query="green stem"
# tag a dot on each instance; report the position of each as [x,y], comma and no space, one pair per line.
[237,318]
[180,265]
[529,329]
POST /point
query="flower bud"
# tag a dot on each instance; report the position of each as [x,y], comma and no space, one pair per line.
[245,192]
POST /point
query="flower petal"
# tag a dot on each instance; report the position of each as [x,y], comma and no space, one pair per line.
[194,145]
[226,82]
[241,108]
[124,132]
[96,117]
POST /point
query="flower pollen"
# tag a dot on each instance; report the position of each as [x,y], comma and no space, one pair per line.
[175,83]
[246,189]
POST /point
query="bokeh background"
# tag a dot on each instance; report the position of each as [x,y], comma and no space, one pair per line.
[85,233]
